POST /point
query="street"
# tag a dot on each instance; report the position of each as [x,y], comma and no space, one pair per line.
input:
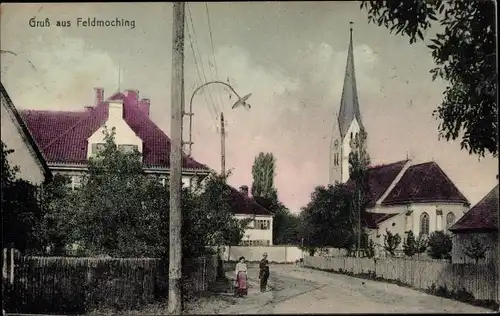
[295,289]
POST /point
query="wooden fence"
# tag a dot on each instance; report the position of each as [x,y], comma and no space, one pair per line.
[478,279]
[78,285]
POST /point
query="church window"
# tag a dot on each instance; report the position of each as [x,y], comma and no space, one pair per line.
[336,144]
[351,135]
[97,147]
[450,220]
[336,159]
[424,224]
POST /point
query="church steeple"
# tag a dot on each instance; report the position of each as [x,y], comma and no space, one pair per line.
[348,122]
[349,106]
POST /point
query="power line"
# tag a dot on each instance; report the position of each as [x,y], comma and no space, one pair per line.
[213,50]
[201,59]
[199,75]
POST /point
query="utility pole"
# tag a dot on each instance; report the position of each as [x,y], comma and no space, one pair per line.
[177,106]
[222,145]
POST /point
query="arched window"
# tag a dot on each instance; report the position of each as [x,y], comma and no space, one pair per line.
[424,224]
[351,135]
[450,220]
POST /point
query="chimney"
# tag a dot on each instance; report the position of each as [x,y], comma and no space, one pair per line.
[115,110]
[132,94]
[244,190]
[99,95]
[145,105]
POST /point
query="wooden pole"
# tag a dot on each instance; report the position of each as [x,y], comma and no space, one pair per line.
[222,145]
[175,249]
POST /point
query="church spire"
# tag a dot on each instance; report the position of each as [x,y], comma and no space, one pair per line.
[349,106]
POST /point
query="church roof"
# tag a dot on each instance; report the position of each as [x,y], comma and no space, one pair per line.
[483,216]
[379,179]
[421,183]
[63,136]
[424,183]
[349,105]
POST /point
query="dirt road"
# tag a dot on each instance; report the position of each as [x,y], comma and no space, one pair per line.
[299,290]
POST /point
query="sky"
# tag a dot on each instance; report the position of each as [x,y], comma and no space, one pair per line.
[290,55]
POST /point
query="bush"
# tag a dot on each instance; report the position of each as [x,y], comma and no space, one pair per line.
[440,245]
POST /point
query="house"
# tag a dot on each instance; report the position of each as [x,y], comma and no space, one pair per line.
[403,196]
[69,138]
[15,135]
[480,225]
[260,231]
[410,197]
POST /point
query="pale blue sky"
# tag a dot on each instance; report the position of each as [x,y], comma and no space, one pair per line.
[290,55]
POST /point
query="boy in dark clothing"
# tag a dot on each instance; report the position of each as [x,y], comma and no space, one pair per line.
[264,272]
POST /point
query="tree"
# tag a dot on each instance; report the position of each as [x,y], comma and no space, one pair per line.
[263,171]
[440,245]
[120,211]
[464,52]
[56,227]
[285,227]
[409,245]
[476,249]
[420,244]
[391,242]
[21,212]
[359,161]
[326,220]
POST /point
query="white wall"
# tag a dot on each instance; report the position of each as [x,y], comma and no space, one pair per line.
[124,134]
[280,254]
[401,223]
[29,167]
[258,234]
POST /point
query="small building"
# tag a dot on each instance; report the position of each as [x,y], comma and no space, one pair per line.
[480,226]
[16,136]
[260,231]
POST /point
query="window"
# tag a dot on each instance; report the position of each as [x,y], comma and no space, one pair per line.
[75,182]
[424,224]
[128,148]
[336,144]
[97,147]
[262,224]
[351,135]
[450,220]
[336,159]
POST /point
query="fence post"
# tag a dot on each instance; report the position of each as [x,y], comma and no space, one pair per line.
[4,263]
[12,266]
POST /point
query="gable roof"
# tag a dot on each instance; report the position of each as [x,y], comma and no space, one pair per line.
[30,141]
[66,139]
[379,180]
[371,220]
[424,183]
[483,216]
[244,205]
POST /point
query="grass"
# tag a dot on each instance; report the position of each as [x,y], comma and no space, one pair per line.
[460,295]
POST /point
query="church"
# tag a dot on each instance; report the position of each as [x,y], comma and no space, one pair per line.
[403,196]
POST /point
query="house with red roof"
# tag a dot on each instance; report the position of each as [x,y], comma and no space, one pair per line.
[402,196]
[16,136]
[260,231]
[480,225]
[69,138]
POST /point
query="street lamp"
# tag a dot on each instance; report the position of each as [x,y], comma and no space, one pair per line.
[242,101]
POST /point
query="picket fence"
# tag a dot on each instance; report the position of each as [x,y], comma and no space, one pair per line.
[478,279]
[72,285]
